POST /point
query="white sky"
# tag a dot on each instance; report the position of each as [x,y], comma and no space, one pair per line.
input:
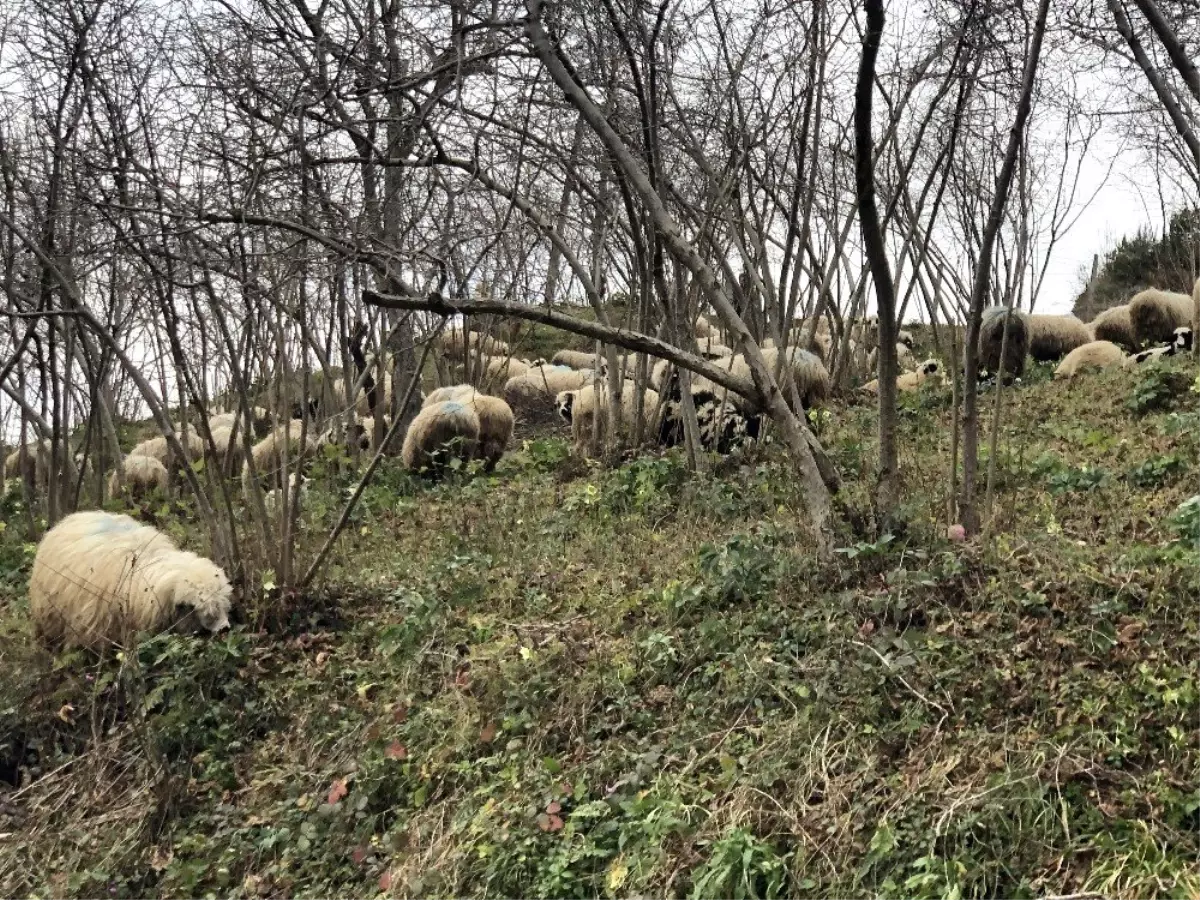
[1126,202]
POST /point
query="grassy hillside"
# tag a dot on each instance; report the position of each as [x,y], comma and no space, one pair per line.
[566,681]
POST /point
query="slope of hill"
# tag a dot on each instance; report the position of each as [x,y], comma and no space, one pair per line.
[566,681]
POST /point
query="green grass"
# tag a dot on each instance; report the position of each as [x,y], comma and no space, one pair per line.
[561,680]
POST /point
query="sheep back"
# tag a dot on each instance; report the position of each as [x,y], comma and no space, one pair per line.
[101,577]
[1093,355]
[1115,325]
[1156,314]
[435,427]
[1053,337]
[991,339]
[139,475]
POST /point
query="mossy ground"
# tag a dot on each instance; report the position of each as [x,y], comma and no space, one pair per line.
[562,680]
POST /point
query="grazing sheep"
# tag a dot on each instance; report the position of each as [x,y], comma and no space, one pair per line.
[1053,337]
[574,359]
[532,395]
[1184,338]
[904,357]
[1156,314]
[359,434]
[908,382]
[812,378]
[260,420]
[139,475]
[158,448]
[498,369]
[723,426]
[454,344]
[495,419]
[268,454]
[1094,355]
[450,392]
[1181,343]
[991,338]
[100,578]
[585,412]
[273,499]
[440,433]
[496,422]
[229,450]
[37,460]
[711,348]
[1115,325]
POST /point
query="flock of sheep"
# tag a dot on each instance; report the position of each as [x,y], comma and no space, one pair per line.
[99,577]
[1158,321]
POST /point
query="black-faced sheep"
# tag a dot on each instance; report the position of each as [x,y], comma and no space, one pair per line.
[532,395]
[1184,338]
[991,338]
[1093,355]
[1180,343]
[907,382]
[139,476]
[587,411]
[441,433]
[723,426]
[1053,337]
[1156,314]
[1115,325]
[99,578]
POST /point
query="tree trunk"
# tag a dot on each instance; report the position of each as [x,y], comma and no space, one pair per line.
[967,507]
[887,483]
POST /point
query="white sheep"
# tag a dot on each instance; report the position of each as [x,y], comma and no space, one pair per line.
[1053,337]
[139,476]
[496,420]
[100,578]
[441,433]
[268,454]
[574,359]
[1156,314]
[586,412]
[1115,325]
[1093,355]
[273,499]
